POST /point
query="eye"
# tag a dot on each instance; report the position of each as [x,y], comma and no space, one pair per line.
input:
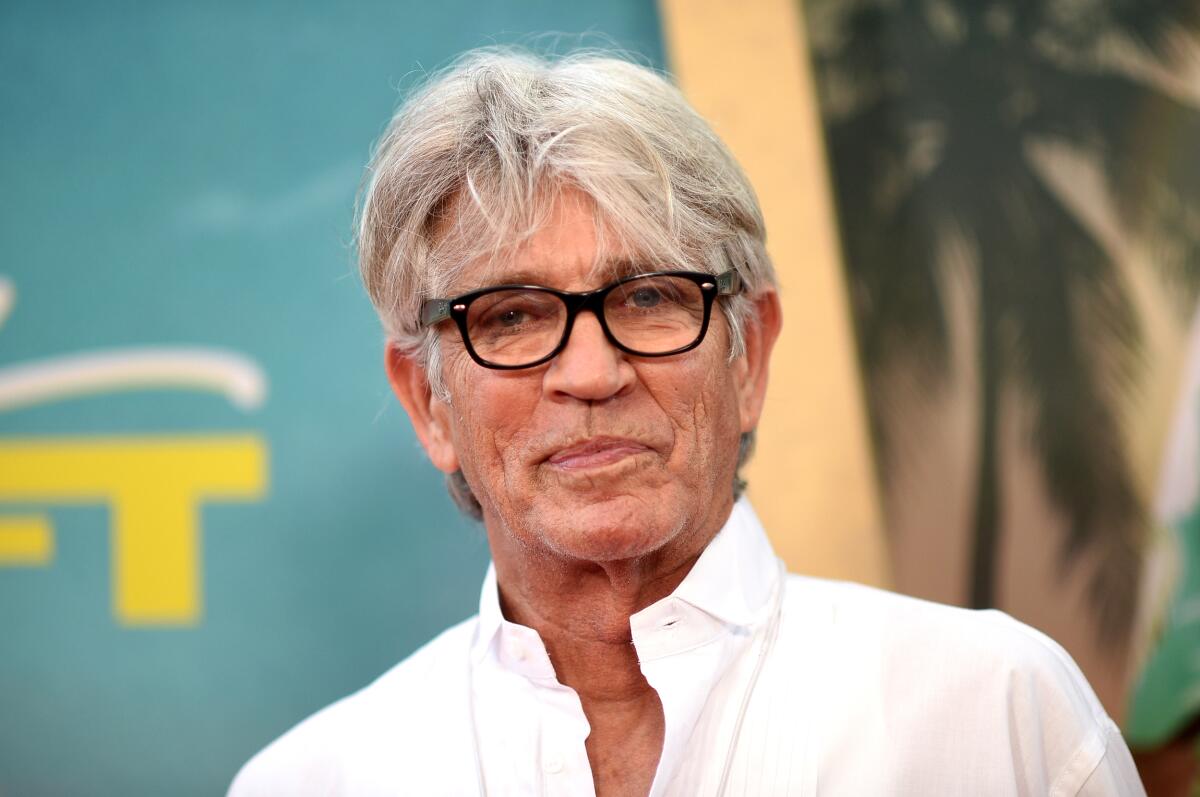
[513,312]
[510,318]
[646,296]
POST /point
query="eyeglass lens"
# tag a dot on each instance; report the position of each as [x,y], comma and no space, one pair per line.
[648,315]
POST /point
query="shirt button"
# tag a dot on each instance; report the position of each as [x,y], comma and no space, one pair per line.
[553,764]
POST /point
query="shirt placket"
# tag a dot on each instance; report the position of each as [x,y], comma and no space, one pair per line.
[536,728]
[683,653]
[562,750]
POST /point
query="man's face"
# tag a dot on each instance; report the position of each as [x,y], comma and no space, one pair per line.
[597,455]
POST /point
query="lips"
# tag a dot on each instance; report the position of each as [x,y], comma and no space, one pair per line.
[596,452]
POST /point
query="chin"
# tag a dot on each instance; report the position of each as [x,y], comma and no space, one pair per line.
[605,529]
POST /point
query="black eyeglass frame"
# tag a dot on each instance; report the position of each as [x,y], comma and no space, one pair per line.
[434,311]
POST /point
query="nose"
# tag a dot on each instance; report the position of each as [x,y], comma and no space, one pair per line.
[589,367]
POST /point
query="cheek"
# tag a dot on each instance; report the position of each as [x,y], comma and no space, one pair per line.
[704,410]
[717,407]
[489,411]
[721,420]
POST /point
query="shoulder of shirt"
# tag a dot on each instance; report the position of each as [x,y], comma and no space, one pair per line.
[403,710]
[984,662]
[988,640]
[897,618]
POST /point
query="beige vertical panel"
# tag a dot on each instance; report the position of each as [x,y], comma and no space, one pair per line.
[745,67]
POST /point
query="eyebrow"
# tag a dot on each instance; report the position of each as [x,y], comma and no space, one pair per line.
[606,271]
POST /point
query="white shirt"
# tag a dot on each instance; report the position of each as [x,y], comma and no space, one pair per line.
[862,692]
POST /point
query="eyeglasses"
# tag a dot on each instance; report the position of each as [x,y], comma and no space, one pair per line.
[520,326]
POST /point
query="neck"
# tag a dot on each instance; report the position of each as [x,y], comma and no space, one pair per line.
[581,610]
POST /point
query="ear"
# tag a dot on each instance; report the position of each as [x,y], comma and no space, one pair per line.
[751,369]
[430,415]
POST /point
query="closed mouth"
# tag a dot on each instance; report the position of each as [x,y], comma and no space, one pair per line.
[596,452]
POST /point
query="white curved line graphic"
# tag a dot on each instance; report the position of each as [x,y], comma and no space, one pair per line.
[236,377]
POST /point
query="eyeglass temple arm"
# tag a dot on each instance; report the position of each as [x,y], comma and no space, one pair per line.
[729,283]
[434,310]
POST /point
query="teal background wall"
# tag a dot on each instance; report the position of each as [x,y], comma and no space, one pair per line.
[183,175]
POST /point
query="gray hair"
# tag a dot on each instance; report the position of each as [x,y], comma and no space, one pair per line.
[472,163]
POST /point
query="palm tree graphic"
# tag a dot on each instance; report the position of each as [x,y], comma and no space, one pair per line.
[939,117]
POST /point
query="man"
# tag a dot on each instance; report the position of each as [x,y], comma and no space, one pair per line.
[580,310]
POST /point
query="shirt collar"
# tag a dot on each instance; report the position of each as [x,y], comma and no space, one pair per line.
[732,582]
[735,575]
[490,616]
